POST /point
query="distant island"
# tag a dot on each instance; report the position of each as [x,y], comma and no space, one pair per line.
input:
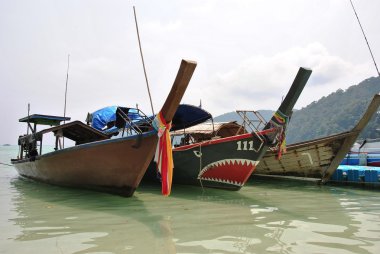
[7,145]
[233,116]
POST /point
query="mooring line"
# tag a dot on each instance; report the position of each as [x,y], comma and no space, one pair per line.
[142,59]
[200,166]
[370,51]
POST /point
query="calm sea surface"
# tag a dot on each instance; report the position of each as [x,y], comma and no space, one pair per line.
[263,217]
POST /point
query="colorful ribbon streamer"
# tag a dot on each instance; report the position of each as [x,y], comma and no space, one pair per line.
[283,121]
[280,117]
[281,145]
[164,156]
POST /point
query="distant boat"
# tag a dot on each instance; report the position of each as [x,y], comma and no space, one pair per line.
[224,155]
[318,158]
[364,153]
[367,146]
[96,161]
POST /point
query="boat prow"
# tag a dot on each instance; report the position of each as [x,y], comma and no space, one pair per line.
[317,158]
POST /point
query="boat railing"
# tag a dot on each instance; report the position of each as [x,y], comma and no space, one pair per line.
[253,122]
[132,126]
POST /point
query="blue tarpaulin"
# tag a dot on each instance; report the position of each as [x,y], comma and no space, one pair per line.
[185,117]
[101,117]
[108,116]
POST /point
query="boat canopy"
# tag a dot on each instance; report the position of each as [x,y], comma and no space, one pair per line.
[44,119]
[189,115]
[206,131]
[76,131]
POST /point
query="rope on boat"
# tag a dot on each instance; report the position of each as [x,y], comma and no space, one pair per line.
[200,166]
[370,51]
[64,108]
[142,59]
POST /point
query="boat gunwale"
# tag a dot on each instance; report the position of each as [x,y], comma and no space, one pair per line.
[327,139]
[220,140]
[86,145]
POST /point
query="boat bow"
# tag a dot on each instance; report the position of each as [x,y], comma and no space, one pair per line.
[162,123]
[280,119]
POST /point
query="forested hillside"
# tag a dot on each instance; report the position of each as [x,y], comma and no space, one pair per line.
[336,113]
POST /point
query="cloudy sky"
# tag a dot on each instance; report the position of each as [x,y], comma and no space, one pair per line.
[248,53]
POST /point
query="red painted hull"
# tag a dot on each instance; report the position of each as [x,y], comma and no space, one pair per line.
[219,163]
[374,163]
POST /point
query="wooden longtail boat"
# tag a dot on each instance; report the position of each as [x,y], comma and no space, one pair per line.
[227,162]
[318,158]
[96,161]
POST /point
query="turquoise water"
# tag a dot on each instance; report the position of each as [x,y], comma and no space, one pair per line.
[263,217]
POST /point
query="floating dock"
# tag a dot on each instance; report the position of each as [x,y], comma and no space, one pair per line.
[364,175]
[353,175]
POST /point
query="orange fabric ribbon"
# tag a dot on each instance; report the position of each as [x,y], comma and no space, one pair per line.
[164,154]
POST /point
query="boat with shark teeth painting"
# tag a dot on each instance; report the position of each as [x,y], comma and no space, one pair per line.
[224,155]
[96,161]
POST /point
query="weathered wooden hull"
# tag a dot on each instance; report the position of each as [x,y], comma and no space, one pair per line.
[220,163]
[317,158]
[115,165]
[305,159]
[112,165]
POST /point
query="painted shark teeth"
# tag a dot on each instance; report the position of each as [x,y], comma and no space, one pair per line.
[223,181]
[228,162]
[224,163]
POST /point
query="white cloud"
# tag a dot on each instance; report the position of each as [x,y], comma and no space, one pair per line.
[260,82]
[248,52]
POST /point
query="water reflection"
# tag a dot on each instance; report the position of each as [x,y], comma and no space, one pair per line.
[365,215]
[58,218]
[262,217]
